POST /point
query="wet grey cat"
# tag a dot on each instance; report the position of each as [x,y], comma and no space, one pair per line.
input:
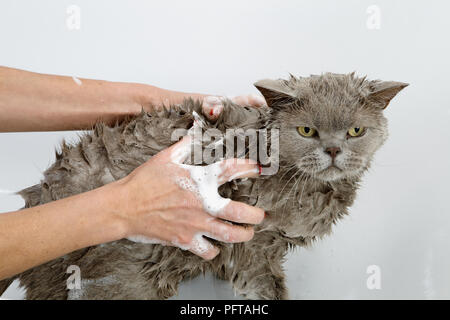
[330,127]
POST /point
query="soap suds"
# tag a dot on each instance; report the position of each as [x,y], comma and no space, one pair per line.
[198,244]
[77,81]
[243,173]
[187,184]
[206,179]
[203,181]
[198,121]
[143,239]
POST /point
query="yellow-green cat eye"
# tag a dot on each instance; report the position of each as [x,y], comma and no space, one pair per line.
[306,131]
[355,132]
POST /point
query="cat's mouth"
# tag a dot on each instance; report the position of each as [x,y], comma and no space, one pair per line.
[332,167]
[330,173]
[335,167]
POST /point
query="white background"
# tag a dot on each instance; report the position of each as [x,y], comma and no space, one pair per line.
[400,221]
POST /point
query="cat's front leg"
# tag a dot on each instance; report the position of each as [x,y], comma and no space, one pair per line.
[265,281]
[261,286]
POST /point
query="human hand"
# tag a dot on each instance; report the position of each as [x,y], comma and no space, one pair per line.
[213,105]
[170,203]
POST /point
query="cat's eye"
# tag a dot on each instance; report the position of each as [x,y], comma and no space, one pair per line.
[355,132]
[306,131]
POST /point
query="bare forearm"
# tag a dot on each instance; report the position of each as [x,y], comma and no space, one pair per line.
[39,102]
[146,204]
[36,235]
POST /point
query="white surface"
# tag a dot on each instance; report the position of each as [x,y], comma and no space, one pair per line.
[400,221]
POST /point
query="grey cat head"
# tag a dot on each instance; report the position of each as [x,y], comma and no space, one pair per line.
[330,125]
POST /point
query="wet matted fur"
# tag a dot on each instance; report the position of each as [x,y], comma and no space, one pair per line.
[302,200]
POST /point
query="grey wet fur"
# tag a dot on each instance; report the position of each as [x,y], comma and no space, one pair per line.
[302,201]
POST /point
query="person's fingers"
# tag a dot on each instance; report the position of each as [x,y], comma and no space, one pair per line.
[237,168]
[203,248]
[257,100]
[212,107]
[227,232]
[242,213]
[176,153]
[254,100]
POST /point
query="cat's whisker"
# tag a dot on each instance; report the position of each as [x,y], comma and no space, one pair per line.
[290,190]
[301,194]
[285,185]
[297,185]
[287,196]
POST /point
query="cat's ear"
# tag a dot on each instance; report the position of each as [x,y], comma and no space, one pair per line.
[275,90]
[384,91]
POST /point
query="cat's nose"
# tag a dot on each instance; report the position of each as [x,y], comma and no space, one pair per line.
[333,151]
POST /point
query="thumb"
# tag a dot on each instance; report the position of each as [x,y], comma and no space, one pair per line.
[176,153]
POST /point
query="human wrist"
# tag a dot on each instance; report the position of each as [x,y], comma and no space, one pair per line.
[116,207]
[126,206]
[150,97]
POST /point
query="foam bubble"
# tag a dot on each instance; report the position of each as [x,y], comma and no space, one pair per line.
[77,81]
